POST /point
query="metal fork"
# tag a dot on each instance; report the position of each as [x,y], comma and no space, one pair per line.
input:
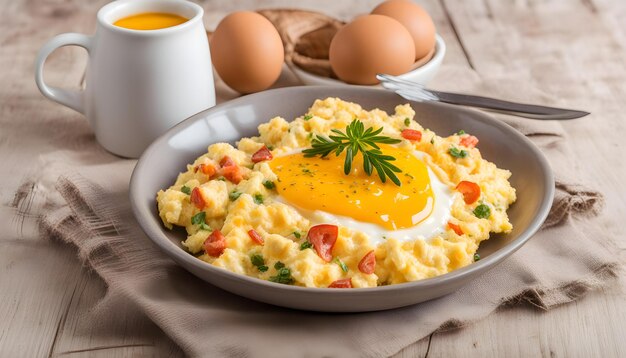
[416,92]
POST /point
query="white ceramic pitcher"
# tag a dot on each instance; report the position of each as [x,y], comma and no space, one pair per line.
[139,83]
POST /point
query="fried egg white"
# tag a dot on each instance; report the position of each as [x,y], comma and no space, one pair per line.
[319,189]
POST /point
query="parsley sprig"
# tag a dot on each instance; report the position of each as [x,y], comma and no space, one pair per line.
[357,139]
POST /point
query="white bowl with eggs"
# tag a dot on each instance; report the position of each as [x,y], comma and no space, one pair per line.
[421,74]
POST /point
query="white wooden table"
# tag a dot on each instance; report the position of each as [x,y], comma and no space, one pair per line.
[574,49]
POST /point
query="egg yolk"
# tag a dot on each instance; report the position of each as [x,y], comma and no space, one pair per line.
[320,184]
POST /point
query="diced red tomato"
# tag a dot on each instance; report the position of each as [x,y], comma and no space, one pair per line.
[256,237]
[456,228]
[412,135]
[469,141]
[230,170]
[232,173]
[368,263]
[206,169]
[197,199]
[470,191]
[343,283]
[261,155]
[215,244]
[227,162]
[323,238]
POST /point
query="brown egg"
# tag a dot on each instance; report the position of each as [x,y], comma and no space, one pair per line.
[369,45]
[247,52]
[415,19]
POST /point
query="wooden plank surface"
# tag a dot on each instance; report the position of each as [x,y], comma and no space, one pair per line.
[573,50]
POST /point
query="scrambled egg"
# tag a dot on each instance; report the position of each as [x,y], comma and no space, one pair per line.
[230,206]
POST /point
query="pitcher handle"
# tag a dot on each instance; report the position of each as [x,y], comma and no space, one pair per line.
[73,99]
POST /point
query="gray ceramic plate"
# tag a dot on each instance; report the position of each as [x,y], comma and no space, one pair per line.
[167,156]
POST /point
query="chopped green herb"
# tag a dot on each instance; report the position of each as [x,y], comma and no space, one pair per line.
[268,184]
[343,266]
[482,211]
[185,189]
[407,121]
[409,175]
[461,132]
[198,218]
[476,257]
[204,226]
[305,245]
[297,234]
[307,117]
[278,265]
[270,147]
[384,237]
[283,276]
[257,260]
[234,195]
[258,198]
[221,179]
[309,136]
[458,153]
[432,140]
